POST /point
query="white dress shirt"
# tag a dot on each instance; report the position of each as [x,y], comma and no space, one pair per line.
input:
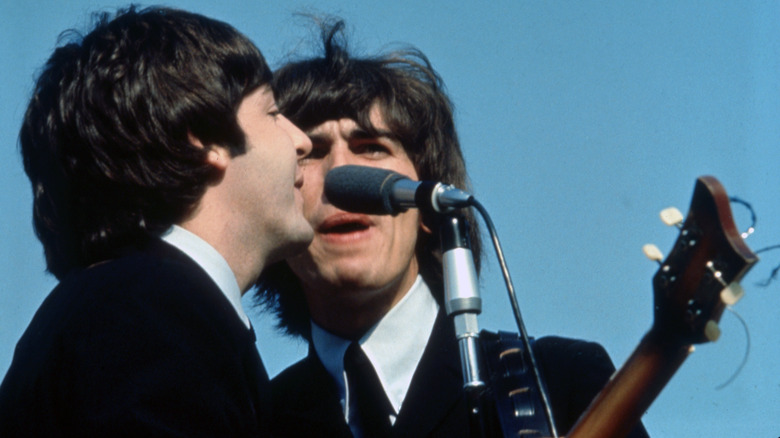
[211,261]
[394,346]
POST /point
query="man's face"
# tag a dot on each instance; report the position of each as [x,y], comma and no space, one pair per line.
[266,180]
[354,258]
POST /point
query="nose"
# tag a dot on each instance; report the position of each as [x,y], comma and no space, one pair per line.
[340,154]
[301,141]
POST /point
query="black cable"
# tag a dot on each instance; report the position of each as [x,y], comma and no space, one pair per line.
[516,310]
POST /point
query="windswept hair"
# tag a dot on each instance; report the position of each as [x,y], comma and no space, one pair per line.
[416,108]
[106,137]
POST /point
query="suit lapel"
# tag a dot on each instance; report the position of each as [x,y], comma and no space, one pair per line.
[306,401]
[308,404]
[435,400]
[222,312]
[259,384]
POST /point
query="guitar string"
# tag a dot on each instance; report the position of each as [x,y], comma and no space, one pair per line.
[751,228]
[773,274]
[747,350]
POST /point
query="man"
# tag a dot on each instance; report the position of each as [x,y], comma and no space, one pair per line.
[165,180]
[376,281]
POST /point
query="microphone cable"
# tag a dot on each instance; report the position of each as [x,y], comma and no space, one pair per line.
[516,309]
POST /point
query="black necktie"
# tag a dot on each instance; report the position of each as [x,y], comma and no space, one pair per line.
[366,394]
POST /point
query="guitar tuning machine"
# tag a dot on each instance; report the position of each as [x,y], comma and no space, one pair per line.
[672,217]
[711,331]
[694,313]
[716,274]
[731,292]
[653,253]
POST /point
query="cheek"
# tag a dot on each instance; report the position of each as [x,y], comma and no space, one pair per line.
[311,190]
[406,167]
[407,227]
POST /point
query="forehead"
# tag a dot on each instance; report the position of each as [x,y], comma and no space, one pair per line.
[349,128]
[377,117]
[261,98]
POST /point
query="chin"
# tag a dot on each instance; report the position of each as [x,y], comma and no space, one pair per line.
[338,280]
[303,238]
[296,242]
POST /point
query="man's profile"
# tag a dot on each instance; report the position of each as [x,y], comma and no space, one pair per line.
[164,180]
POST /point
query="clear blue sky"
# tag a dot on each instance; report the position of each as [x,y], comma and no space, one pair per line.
[579,121]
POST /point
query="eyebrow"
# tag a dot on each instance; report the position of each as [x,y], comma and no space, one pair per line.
[360,134]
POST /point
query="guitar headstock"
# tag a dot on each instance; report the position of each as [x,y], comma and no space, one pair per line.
[701,275]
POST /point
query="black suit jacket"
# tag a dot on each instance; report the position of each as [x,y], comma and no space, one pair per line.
[142,345]
[306,400]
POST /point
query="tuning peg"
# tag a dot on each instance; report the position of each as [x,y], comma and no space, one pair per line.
[732,293]
[653,253]
[712,331]
[671,216]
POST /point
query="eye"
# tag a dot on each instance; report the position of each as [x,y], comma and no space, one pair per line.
[318,152]
[372,149]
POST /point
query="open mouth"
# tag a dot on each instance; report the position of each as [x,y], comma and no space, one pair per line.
[346,228]
[344,224]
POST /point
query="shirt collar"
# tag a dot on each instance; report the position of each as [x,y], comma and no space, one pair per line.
[394,345]
[211,261]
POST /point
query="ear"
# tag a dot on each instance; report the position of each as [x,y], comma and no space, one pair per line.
[217,156]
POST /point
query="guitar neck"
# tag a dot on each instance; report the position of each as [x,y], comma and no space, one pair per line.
[629,393]
[691,289]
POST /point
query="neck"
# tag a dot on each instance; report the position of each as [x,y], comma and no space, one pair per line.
[243,254]
[349,312]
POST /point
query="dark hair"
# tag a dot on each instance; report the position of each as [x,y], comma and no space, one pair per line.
[418,112]
[106,136]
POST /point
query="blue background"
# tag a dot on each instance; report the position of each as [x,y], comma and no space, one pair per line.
[580,121]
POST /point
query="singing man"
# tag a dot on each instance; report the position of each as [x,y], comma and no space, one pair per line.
[164,180]
[369,287]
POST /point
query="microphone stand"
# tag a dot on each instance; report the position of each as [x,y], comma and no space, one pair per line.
[463,304]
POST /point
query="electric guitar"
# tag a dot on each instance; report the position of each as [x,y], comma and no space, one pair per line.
[695,283]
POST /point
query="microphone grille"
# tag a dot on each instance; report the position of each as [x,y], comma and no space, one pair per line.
[361,189]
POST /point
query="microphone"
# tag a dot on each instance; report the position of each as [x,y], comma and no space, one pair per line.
[372,190]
